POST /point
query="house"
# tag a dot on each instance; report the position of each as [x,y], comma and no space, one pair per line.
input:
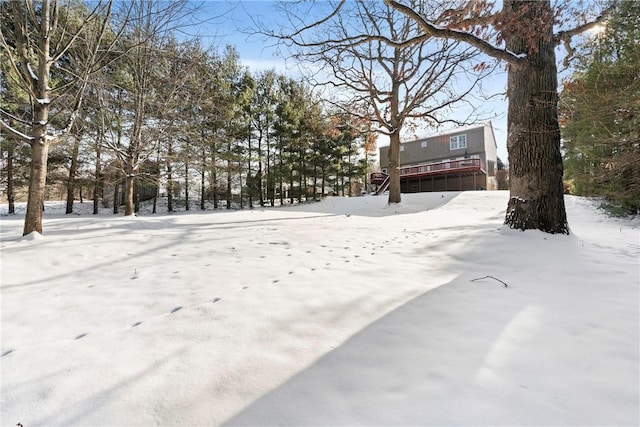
[456,160]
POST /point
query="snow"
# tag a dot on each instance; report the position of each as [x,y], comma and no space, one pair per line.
[32,74]
[344,312]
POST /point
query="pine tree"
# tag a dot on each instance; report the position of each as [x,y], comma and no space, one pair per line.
[600,107]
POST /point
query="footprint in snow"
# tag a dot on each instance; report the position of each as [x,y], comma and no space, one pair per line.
[81,336]
[7,352]
[136,324]
[176,310]
[216,299]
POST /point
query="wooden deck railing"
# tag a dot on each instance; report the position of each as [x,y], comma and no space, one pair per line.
[451,166]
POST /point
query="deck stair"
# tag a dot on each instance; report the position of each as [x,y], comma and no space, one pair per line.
[384,186]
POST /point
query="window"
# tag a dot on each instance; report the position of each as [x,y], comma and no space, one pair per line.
[423,144]
[458,142]
[402,148]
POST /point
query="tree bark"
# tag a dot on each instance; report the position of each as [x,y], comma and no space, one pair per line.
[10,192]
[97,185]
[394,168]
[536,192]
[73,169]
[40,143]
[129,188]
[116,194]
[169,178]
[186,185]
[37,181]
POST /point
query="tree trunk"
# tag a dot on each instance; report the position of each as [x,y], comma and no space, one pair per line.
[169,179]
[97,185]
[249,180]
[229,187]
[73,169]
[203,167]
[136,196]
[129,189]
[214,176]
[394,168]
[315,182]
[259,184]
[10,192]
[536,193]
[186,185]
[116,194]
[37,181]
[39,144]
[280,172]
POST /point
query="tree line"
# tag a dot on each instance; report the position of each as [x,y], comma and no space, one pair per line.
[117,79]
[108,100]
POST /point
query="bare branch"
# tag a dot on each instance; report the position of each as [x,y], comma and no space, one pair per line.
[16,133]
[489,277]
[463,36]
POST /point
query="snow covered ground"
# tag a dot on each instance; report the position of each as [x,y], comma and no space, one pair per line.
[343,312]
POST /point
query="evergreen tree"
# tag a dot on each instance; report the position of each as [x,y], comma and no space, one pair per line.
[600,107]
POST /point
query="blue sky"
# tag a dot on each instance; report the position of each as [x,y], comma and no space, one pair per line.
[231,22]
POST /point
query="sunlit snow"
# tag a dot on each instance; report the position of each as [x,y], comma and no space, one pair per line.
[344,312]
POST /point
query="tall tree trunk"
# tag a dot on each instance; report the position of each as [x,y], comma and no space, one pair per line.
[169,179]
[229,175]
[271,183]
[186,178]
[249,180]
[394,168]
[203,168]
[40,143]
[129,188]
[10,191]
[73,169]
[259,184]
[214,176]
[536,192]
[301,177]
[116,194]
[37,177]
[97,185]
[315,182]
[186,185]
[349,171]
[280,173]
[136,196]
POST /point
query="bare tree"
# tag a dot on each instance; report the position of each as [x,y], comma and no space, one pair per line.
[523,35]
[35,35]
[401,85]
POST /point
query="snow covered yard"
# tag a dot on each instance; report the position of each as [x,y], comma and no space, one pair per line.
[343,312]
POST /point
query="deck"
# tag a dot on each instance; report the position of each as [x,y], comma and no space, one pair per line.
[459,168]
